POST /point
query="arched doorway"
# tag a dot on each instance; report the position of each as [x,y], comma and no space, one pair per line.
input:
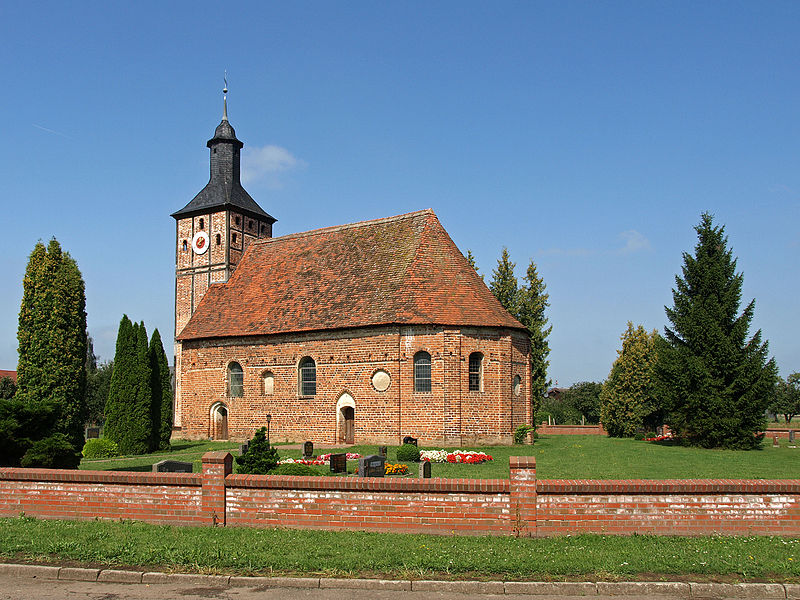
[219,422]
[345,419]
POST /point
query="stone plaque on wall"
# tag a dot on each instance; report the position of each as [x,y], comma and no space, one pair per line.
[381,380]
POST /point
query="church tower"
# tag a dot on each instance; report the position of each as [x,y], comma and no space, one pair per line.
[213,230]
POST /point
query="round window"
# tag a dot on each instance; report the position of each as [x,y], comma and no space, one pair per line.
[381,380]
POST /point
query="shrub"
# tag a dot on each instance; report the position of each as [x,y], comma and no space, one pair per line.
[408,453]
[521,433]
[294,469]
[100,448]
[54,452]
[639,436]
[260,458]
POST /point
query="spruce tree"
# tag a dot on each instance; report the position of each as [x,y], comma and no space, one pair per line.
[504,283]
[532,300]
[161,388]
[715,382]
[52,338]
[471,260]
[128,409]
[627,401]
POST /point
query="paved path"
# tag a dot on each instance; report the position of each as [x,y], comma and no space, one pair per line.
[18,582]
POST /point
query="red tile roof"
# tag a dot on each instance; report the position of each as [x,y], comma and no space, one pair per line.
[398,270]
[11,374]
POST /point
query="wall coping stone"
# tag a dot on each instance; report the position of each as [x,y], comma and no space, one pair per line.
[668,486]
[101,477]
[372,484]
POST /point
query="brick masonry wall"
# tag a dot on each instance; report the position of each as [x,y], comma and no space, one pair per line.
[520,505]
[545,429]
[169,498]
[345,364]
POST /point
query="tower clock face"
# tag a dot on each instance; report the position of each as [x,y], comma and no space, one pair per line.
[200,242]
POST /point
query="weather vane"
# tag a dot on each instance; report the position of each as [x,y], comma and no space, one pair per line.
[225,97]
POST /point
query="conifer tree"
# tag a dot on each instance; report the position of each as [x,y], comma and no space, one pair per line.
[161,388]
[504,283]
[532,300]
[128,409]
[52,338]
[627,401]
[714,381]
[471,260]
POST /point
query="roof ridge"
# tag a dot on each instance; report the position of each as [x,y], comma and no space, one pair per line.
[333,228]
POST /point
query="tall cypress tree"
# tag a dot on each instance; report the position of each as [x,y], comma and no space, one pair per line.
[128,409]
[52,338]
[532,301]
[715,382]
[161,388]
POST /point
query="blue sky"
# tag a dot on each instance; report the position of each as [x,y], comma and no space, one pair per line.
[586,136]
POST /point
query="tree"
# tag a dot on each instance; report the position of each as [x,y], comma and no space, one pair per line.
[260,458]
[584,397]
[471,260]
[504,283]
[532,300]
[128,410]
[527,304]
[786,399]
[627,401]
[52,338]
[98,383]
[161,390]
[7,388]
[715,382]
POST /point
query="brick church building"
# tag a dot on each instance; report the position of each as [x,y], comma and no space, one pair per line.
[366,332]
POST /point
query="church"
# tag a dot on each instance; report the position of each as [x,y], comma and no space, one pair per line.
[359,333]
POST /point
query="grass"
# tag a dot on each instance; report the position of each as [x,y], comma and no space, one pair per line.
[351,554]
[557,457]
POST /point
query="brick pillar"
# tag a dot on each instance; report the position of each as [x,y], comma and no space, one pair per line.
[216,466]
[523,495]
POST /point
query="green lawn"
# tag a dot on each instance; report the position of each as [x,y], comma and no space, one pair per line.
[352,553]
[558,457]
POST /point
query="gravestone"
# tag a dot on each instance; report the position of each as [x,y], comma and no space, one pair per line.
[92,433]
[410,440]
[372,466]
[425,469]
[308,449]
[243,448]
[338,463]
[775,443]
[382,450]
[791,438]
[172,466]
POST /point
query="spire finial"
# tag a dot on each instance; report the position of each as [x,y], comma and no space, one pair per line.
[225,97]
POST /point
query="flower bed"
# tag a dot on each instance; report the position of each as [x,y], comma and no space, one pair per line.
[469,457]
[395,469]
[659,438]
[318,461]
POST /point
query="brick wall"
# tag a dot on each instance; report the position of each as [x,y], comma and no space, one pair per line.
[346,361]
[545,429]
[520,505]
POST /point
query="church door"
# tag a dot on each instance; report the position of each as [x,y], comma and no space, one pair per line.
[349,424]
[220,424]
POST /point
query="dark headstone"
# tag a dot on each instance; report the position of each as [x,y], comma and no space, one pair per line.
[425,469]
[372,466]
[308,449]
[339,463]
[791,437]
[92,433]
[172,466]
[382,450]
[243,448]
[410,440]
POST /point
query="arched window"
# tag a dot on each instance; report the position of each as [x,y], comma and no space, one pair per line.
[475,372]
[219,240]
[268,383]
[517,386]
[307,377]
[235,380]
[422,372]
[202,224]
[185,245]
